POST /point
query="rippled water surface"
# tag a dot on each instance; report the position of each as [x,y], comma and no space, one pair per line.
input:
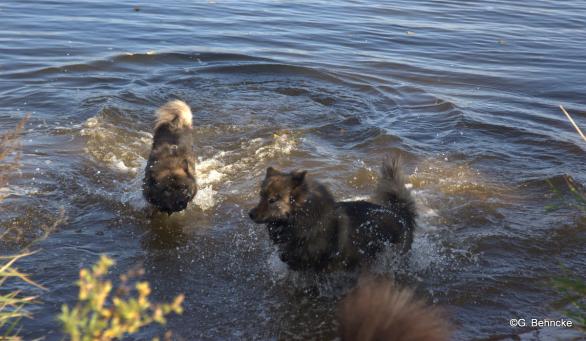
[468,91]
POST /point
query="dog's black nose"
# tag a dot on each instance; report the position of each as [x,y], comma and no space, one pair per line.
[251,214]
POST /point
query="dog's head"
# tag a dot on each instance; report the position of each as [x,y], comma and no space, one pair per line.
[277,196]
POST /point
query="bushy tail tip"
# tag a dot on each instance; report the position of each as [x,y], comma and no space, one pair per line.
[176,113]
[379,310]
[391,190]
[392,193]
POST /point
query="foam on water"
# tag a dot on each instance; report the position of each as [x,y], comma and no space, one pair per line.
[120,148]
[217,171]
[205,198]
[282,144]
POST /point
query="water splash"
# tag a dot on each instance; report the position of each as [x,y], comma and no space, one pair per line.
[120,148]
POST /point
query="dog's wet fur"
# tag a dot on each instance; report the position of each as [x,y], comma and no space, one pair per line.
[314,232]
[170,183]
[377,309]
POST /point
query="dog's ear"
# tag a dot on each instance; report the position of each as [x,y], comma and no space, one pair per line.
[298,177]
[271,172]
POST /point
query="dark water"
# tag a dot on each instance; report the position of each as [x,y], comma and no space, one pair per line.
[468,91]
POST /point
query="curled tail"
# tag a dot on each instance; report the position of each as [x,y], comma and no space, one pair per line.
[175,113]
[392,193]
[379,310]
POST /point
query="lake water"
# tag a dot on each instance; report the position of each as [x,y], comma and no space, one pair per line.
[468,91]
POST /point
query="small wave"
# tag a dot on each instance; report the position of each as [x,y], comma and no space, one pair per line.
[121,148]
[270,69]
[454,195]
[174,57]
[225,164]
[282,144]
[129,60]
[453,178]
[561,182]
[17,191]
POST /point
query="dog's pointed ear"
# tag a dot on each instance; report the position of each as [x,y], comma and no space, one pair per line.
[271,171]
[298,177]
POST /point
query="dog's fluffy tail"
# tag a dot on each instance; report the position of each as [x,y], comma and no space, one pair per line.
[175,113]
[391,192]
[379,310]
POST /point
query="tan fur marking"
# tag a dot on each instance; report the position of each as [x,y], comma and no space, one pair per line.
[180,172]
[162,174]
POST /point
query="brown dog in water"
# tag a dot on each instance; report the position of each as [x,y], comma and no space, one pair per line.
[314,232]
[169,181]
[379,310]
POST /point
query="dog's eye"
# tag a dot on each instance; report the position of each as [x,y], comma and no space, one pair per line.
[273,200]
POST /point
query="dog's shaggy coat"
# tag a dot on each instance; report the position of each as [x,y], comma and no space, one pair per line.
[169,182]
[314,232]
[379,310]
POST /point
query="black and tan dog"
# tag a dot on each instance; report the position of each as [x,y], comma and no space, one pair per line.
[314,232]
[169,182]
